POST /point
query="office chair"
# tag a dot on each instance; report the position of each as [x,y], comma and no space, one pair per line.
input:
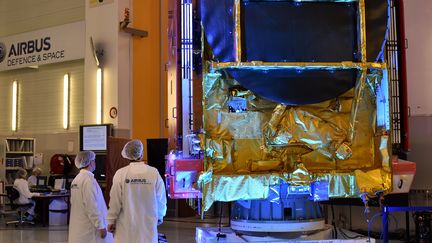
[12,195]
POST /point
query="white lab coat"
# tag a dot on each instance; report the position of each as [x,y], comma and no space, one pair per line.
[88,210]
[22,187]
[137,201]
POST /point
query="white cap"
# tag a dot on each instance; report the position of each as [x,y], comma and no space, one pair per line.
[84,158]
[133,150]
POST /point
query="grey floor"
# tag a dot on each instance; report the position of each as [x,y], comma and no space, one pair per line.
[176,230]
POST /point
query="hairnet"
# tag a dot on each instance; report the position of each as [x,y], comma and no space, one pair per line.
[21,173]
[133,150]
[84,158]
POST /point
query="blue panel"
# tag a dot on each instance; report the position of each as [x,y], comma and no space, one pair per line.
[294,31]
[284,31]
[319,191]
[254,211]
[266,210]
[294,87]
[296,206]
[377,22]
[277,211]
[218,22]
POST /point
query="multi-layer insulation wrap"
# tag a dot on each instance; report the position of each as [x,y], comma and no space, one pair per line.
[294,91]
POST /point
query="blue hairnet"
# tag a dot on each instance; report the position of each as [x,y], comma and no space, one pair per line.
[84,158]
[133,150]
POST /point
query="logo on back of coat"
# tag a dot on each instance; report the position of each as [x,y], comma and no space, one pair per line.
[74,186]
[138,181]
[2,51]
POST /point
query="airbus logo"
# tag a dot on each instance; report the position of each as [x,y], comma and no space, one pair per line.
[137,181]
[2,52]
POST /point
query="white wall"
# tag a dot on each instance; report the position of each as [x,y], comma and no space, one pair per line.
[40,98]
[102,24]
[124,85]
[41,108]
[418,16]
[18,16]
[40,117]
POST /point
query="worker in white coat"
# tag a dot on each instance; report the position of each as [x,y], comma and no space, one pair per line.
[137,199]
[22,187]
[88,208]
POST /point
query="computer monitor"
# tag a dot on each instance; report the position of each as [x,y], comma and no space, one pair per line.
[52,179]
[41,181]
[95,137]
[59,184]
[67,180]
[99,172]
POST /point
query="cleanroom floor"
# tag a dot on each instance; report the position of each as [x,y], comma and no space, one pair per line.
[176,230]
[181,230]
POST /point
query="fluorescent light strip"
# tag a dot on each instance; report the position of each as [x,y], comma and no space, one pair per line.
[14,105]
[99,96]
[66,101]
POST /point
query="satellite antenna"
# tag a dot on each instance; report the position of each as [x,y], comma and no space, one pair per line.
[97,54]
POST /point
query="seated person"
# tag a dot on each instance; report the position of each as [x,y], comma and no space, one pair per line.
[32,180]
[22,187]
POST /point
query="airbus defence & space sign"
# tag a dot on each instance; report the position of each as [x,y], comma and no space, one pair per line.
[57,44]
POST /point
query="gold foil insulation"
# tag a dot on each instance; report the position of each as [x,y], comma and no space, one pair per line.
[247,151]
[337,140]
[237,26]
[297,65]
[362,16]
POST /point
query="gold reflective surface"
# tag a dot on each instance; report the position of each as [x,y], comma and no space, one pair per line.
[338,140]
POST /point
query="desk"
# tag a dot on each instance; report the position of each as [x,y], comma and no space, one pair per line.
[43,202]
